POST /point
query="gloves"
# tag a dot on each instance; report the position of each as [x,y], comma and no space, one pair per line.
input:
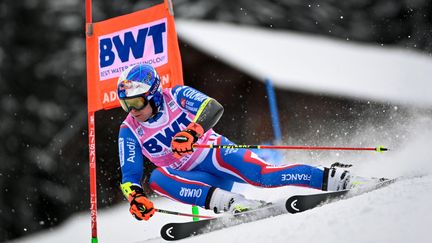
[140,206]
[183,141]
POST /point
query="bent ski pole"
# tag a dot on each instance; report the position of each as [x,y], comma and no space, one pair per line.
[245,146]
[183,214]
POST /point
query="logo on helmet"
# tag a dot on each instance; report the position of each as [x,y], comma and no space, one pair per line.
[148,78]
[125,84]
[155,86]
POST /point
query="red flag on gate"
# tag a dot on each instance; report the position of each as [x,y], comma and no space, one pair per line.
[147,36]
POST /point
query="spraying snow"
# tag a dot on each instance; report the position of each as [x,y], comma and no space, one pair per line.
[401,212]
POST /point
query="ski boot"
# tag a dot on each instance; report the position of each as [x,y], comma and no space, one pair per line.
[336,178]
[225,201]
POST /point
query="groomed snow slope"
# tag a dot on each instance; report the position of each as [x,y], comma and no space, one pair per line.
[399,213]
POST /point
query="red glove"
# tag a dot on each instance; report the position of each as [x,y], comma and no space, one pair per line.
[140,206]
[183,141]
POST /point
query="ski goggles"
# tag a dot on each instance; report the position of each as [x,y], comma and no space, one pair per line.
[137,103]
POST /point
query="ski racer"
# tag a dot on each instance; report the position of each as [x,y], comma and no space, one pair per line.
[162,126]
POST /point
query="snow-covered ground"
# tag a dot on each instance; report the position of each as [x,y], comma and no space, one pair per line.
[398,213]
[401,212]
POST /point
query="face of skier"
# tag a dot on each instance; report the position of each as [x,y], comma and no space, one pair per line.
[138,107]
[142,115]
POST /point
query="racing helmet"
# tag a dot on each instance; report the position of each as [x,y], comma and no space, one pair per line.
[138,86]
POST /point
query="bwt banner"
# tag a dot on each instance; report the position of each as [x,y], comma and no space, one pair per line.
[147,36]
[145,43]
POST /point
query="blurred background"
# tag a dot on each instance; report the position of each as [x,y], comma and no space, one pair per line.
[43,105]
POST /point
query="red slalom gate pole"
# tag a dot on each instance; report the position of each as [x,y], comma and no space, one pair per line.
[91,140]
[92,172]
[246,146]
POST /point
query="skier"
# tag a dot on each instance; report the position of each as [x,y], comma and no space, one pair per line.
[164,124]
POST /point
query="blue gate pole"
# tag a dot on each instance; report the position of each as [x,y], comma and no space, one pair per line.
[273,111]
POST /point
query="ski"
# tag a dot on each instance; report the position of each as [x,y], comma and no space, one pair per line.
[294,204]
[178,231]
[301,203]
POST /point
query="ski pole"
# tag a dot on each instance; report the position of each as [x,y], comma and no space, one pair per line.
[183,214]
[245,146]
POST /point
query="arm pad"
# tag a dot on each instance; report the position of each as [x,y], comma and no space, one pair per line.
[209,114]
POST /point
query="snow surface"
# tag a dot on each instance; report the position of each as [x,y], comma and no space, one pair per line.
[399,213]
